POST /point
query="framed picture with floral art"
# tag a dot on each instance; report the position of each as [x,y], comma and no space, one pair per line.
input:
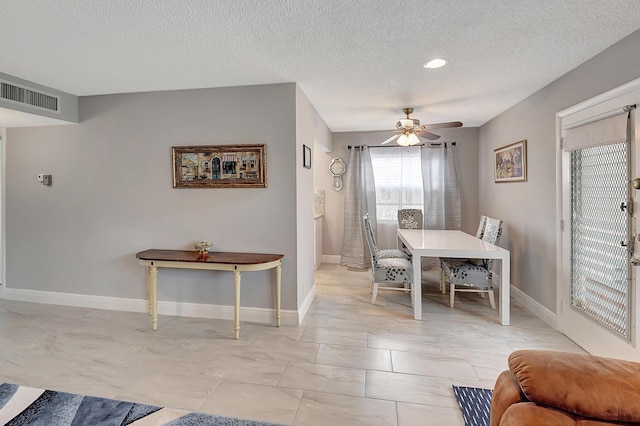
[510,162]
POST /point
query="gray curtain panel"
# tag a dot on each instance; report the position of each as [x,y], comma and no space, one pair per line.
[441,190]
[360,198]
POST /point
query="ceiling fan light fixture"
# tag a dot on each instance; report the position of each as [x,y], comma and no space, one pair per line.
[413,139]
[408,129]
[406,122]
[435,63]
[403,140]
[408,139]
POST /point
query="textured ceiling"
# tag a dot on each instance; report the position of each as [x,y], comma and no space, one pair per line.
[358,61]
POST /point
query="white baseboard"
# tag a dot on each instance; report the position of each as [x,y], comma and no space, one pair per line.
[77,300]
[528,303]
[306,304]
[331,258]
[534,307]
[197,310]
[200,310]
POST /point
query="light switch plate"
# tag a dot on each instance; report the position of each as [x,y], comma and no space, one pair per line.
[40,177]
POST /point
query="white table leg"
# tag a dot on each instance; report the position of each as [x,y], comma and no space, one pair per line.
[153,295]
[149,287]
[236,310]
[278,292]
[505,291]
[416,289]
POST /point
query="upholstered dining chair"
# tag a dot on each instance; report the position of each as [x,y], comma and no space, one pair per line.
[473,275]
[385,253]
[386,271]
[410,218]
[481,224]
[479,233]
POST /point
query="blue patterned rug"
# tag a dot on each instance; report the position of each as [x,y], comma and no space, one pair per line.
[475,404]
[22,405]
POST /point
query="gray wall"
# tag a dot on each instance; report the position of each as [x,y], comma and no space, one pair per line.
[310,130]
[529,208]
[112,195]
[333,221]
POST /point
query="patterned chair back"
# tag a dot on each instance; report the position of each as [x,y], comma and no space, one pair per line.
[491,234]
[410,219]
[483,222]
[371,240]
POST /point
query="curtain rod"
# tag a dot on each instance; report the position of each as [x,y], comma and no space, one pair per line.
[429,145]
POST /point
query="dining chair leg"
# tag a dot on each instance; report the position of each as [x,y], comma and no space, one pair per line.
[492,299]
[443,284]
[452,292]
[374,293]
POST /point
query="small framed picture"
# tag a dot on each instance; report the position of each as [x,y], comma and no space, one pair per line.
[306,157]
[510,162]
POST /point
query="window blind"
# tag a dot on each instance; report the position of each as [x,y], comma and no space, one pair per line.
[612,129]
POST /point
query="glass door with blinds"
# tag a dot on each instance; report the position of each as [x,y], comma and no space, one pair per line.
[597,298]
[600,236]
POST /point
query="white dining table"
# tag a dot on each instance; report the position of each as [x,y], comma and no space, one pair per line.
[449,243]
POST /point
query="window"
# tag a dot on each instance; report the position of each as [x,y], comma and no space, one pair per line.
[398,178]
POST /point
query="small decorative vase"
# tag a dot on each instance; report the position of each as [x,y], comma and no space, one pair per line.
[203,247]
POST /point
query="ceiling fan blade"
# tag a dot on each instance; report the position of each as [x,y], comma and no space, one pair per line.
[442,125]
[427,135]
[366,132]
[390,139]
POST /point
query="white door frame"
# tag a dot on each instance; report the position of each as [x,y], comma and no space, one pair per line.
[3,221]
[592,337]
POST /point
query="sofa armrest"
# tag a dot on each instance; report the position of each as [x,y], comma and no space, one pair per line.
[506,392]
[585,385]
[530,414]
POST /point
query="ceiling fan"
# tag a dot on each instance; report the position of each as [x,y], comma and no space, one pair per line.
[408,130]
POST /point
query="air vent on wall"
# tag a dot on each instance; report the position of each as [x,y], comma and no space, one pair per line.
[27,96]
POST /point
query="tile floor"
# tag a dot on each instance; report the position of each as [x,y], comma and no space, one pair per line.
[349,363]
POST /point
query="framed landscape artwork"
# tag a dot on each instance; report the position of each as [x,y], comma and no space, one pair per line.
[220,166]
[510,162]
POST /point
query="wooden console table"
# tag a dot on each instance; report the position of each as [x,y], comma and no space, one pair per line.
[213,261]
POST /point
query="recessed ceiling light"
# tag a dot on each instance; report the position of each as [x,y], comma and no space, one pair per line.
[435,63]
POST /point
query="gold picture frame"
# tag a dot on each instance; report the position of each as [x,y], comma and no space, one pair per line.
[220,166]
[510,162]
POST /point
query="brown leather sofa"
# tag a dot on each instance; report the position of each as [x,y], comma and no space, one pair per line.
[566,389]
